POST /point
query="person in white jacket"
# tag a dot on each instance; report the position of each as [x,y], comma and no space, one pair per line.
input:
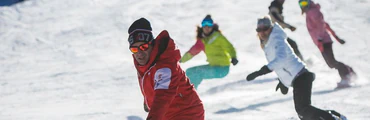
[290,70]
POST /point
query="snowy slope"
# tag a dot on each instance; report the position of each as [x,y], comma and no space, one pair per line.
[68,59]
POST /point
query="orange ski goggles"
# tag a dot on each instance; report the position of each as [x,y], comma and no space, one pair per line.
[142,47]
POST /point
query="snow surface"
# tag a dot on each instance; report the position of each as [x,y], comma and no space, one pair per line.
[69,59]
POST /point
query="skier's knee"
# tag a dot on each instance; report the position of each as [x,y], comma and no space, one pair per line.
[301,109]
[336,65]
[302,113]
[187,72]
[190,72]
[196,82]
[332,64]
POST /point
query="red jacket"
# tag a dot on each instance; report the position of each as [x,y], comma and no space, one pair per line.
[166,89]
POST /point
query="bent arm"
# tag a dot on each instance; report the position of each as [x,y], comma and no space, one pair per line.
[278,17]
[331,31]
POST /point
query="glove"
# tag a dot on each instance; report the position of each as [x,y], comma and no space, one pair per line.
[292,28]
[146,108]
[284,90]
[234,61]
[341,41]
[253,75]
[262,71]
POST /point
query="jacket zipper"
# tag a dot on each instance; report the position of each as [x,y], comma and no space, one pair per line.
[142,86]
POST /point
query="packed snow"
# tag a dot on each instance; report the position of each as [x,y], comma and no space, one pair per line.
[69,59]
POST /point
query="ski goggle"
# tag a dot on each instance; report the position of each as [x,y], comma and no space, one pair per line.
[303,4]
[207,23]
[262,29]
[142,47]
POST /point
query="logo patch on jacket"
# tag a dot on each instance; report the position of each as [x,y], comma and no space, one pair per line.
[162,78]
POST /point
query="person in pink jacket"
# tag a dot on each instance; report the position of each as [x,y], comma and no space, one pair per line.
[319,31]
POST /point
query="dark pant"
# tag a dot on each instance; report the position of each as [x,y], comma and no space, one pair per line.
[328,55]
[294,45]
[302,88]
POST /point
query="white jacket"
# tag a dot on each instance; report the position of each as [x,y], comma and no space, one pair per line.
[281,57]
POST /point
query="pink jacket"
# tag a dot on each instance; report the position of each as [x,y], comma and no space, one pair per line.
[197,48]
[317,27]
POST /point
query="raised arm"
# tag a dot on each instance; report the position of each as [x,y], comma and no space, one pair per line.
[333,33]
[278,18]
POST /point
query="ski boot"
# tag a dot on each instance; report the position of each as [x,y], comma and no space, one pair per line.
[336,115]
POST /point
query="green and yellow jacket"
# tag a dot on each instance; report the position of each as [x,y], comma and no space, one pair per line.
[217,48]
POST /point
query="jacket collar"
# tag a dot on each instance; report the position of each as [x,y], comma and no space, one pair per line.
[277,30]
[164,50]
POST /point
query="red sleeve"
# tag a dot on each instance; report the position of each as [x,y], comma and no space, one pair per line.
[166,84]
[199,46]
[331,31]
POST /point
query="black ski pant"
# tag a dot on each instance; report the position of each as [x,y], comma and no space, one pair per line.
[302,88]
[328,55]
[294,45]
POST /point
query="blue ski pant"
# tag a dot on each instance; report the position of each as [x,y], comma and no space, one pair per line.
[198,73]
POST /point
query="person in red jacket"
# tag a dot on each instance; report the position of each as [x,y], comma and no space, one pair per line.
[168,94]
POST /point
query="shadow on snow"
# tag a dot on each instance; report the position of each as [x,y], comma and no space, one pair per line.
[244,82]
[134,118]
[267,103]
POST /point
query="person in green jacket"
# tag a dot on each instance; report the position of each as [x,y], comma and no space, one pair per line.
[219,51]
